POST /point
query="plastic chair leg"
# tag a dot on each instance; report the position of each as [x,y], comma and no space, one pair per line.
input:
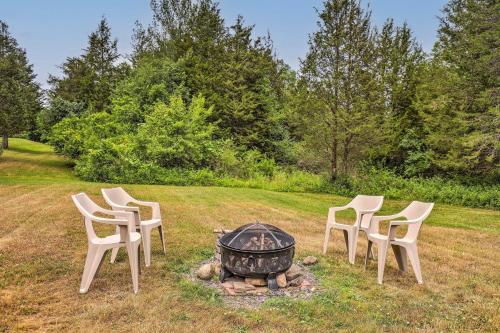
[162,238]
[415,262]
[382,252]
[94,258]
[328,231]
[114,253]
[132,250]
[401,257]
[353,237]
[368,251]
[146,243]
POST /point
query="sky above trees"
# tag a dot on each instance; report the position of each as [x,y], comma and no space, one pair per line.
[52,31]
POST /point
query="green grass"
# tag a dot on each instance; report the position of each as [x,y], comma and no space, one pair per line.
[43,247]
[29,162]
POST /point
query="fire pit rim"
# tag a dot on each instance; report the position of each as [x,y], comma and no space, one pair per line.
[234,232]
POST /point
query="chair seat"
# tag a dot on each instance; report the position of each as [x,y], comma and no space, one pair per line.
[342,226]
[377,237]
[115,239]
[402,241]
[397,241]
[152,223]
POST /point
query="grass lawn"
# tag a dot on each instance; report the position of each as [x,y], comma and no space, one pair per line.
[43,247]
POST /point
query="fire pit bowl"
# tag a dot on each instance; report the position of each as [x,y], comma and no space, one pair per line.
[256,250]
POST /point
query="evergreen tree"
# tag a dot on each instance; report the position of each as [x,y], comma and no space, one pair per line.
[19,94]
[468,58]
[236,73]
[91,78]
[248,102]
[399,64]
[339,73]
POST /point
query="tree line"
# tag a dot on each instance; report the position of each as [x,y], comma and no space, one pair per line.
[199,94]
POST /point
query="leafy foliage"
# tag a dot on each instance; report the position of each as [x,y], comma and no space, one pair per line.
[54,113]
[176,135]
[152,80]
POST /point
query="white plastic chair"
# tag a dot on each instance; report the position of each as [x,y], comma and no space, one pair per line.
[403,247]
[364,206]
[118,199]
[98,246]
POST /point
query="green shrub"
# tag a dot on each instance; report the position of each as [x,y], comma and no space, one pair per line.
[54,113]
[114,161]
[66,139]
[176,136]
[74,136]
[152,80]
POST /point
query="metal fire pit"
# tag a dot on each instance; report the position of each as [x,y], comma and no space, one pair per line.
[256,250]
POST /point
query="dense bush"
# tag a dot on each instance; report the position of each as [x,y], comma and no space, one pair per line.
[387,183]
[178,136]
[57,110]
[151,81]
[74,136]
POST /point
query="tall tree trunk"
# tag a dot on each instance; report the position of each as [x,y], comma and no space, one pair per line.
[334,158]
[347,150]
[5,141]
[335,142]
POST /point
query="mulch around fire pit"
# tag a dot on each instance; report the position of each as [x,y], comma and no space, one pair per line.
[256,296]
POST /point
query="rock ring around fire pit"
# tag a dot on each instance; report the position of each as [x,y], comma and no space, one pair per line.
[256,250]
[240,292]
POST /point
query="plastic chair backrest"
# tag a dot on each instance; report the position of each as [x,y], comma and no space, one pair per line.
[363,203]
[116,195]
[87,208]
[416,211]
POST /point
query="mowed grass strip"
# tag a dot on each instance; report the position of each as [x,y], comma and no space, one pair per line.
[43,246]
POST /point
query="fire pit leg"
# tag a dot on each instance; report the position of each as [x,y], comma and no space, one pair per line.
[224,273]
[271,281]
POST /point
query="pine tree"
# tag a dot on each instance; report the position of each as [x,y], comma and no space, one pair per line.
[399,65]
[468,57]
[19,94]
[339,73]
[91,77]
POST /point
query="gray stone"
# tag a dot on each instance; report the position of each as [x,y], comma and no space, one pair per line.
[256,282]
[297,282]
[293,272]
[281,280]
[242,287]
[310,260]
[204,272]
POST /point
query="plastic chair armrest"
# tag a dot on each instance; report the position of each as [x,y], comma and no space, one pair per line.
[369,211]
[398,223]
[125,208]
[394,224]
[155,206]
[336,209]
[145,203]
[107,220]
